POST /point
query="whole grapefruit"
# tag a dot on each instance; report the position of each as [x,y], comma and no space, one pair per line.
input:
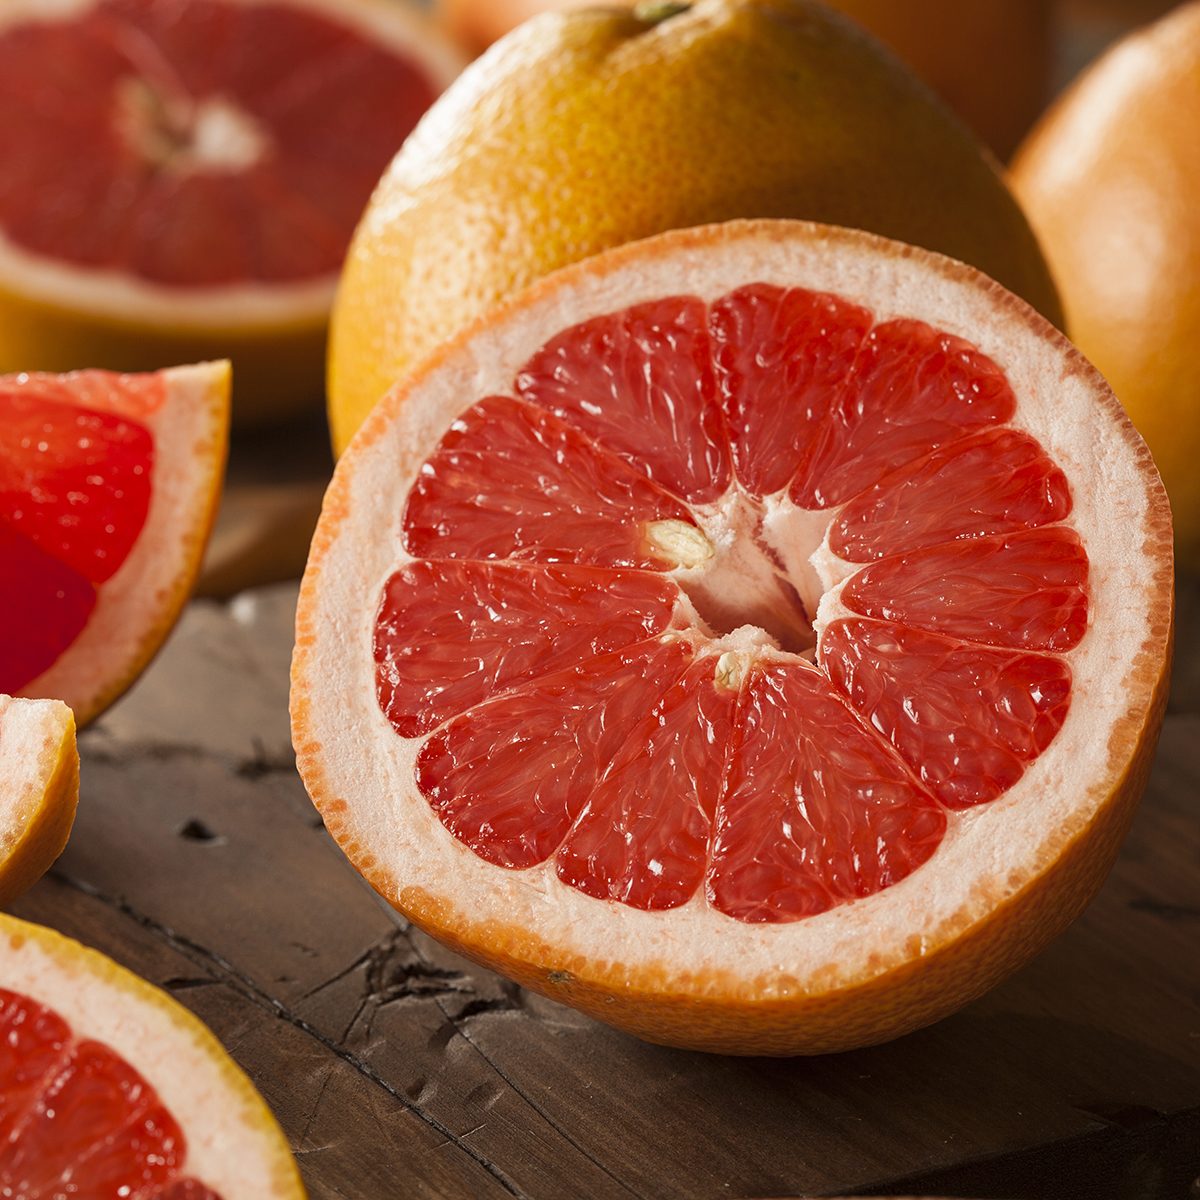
[1110,179]
[942,40]
[584,130]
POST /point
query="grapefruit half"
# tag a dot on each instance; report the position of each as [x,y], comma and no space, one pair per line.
[179,178]
[39,775]
[755,636]
[108,489]
[110,1088]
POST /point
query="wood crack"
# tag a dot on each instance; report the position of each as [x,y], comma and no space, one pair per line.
[458,1021]
[245,986]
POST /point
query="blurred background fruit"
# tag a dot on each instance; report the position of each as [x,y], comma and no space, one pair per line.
[588,129]
[989,59]
[179,178]
[1110,179]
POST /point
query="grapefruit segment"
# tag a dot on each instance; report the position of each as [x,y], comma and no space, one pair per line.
[816,810]
[509,778]
[642,838]
[641,383]
[93,1118]
[110,1089]
[967,719]
[910,389]
[551,495]
[517,623]
[780,355]
[1026,590]
[107,493]
[43,598]
[73,479]
[1002,481]
[738,818]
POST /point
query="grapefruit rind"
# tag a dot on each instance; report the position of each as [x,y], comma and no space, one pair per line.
[140,604]
[39,767]
[1007,878]
[234,1144]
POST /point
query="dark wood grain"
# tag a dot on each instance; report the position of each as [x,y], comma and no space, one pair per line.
[396,1068]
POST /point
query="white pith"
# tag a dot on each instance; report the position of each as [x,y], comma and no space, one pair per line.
[988,853]
[151,585]
[32,733]
[230,1147]
[116,296]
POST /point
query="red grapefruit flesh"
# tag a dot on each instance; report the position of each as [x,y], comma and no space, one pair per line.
[84,1108]
[577,683]
[108,486]
[510,483]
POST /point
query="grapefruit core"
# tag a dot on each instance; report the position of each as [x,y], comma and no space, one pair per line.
[181,177]
[39,788]
[110,1088]
[755,636]
[108,489]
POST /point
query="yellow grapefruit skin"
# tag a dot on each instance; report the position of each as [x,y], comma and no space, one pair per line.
[38,792]
[1109,179]
[584,130]
[233,1143]
[942,40]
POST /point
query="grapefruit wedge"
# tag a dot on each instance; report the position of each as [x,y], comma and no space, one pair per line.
[755,636]
[110,1088]
[39,788]
[179,179]
[108,489]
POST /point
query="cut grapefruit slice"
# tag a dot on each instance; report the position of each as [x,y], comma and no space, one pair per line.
[179,179]
[108,489]
[39,774]
[110,1088]
[755,636]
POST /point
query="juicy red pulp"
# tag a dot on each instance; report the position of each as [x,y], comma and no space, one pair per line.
[572,709]
[196,142]
[76,1119]
[75,485]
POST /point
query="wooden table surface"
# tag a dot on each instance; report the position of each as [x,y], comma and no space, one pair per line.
[398,1069]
